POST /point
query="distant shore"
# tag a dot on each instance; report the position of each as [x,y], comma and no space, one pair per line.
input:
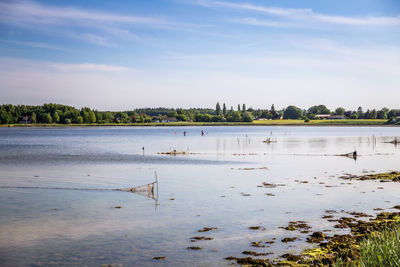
[254,123]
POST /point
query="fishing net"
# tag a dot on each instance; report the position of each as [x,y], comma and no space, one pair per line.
[146,190]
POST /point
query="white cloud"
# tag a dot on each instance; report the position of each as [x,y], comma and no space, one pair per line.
[31,12]
[95,27]
[34,44]
[305,15]
[88,67]
[246,6]
[258,22]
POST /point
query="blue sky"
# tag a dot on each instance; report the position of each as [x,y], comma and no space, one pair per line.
[187,53]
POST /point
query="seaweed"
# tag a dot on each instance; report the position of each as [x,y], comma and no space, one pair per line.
[160,258]
[253,253]
[206,229]
[393,176]
[316,237]
[268,185]
[199,238]
[250,261]
[297,225]
[262,243]
[257,227]
[194,248]
[288,239]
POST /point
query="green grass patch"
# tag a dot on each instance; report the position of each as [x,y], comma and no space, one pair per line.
[381,248]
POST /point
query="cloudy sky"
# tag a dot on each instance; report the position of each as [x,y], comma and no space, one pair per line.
[192,53]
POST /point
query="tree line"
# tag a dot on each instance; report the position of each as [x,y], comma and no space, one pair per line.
[64,114]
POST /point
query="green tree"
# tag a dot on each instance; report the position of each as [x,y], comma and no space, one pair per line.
[373,114]
[181,117]
[108,117]
[5,117]
[266,114]
[360,113]
[218,109]
[354,116]
[121,117]
[340,111]
[99,116]
[33,117]
[56,118]
[203,117]
[244,108]
[46,118]
[247,117]
[292,112]
[393,113]
[92,117]
[85,116]
[172,113]
[236,116]
[320,109]
[224,109]
[78,119]
[382,114]
[238,108]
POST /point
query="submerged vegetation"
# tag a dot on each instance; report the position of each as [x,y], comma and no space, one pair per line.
[49,114]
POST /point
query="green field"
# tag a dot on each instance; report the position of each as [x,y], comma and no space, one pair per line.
[321,122]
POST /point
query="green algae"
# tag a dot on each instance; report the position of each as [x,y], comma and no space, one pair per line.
[393,176]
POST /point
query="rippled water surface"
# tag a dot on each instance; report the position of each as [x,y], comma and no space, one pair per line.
[215,184]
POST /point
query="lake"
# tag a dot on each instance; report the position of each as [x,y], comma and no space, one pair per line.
[51,213]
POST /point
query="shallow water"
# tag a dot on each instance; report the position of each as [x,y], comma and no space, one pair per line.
[215,185]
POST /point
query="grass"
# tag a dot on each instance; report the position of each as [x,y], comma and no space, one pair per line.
[381,249]
[254,123]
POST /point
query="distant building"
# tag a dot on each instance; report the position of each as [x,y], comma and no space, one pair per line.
[169,119]
[323,116]
[155,119]
[336,117]
[25,119]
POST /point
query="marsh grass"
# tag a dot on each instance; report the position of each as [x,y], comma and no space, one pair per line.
[381,249]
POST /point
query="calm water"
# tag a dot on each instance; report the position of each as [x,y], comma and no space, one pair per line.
[48,227]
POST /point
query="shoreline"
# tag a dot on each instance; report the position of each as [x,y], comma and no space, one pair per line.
[363,123]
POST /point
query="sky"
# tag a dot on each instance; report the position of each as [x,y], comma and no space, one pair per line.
[121,55]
